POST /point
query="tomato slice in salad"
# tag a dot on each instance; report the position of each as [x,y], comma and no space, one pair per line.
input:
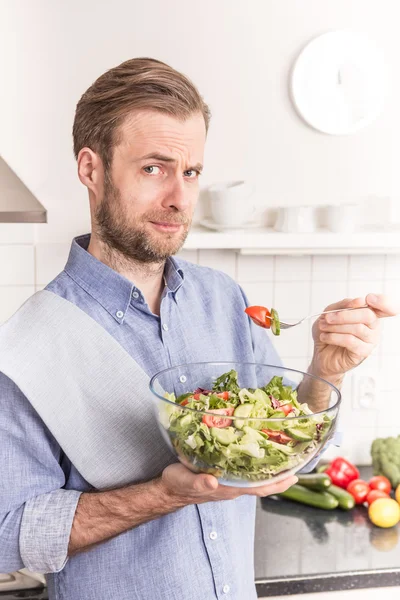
[259,315]
[219,421]
[286,408]
[277,436]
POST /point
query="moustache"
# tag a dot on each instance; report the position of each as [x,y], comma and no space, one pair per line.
[168,218]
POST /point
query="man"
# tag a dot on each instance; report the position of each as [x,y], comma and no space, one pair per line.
[139,136]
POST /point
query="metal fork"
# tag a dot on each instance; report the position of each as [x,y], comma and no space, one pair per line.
[289,325]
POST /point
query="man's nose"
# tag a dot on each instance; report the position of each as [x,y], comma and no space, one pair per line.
[177,196]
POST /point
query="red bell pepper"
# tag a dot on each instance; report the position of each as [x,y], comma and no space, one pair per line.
[341,472]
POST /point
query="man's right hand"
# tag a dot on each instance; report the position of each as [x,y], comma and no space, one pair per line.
[185,487]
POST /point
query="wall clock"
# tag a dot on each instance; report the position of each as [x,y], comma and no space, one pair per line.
[339,82]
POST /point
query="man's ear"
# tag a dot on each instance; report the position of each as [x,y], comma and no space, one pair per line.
[91,171]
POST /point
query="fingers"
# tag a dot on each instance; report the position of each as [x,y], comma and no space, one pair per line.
[347,303]
[363,315]
[273,488]
[348,341]
[382,305]
[359,330]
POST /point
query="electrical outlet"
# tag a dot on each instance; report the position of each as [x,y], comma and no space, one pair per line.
[365,392]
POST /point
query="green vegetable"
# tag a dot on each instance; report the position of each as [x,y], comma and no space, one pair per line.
[275,323]
[322,468]
[238,448]
[298,434]
[301,494]
[346,500]
[224,436]
[385,453]
[243,410]
[315,481]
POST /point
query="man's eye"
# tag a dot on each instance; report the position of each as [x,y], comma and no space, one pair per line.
[192,173]
[151,170]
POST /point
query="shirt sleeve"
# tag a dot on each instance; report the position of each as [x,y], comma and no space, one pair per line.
[36,514]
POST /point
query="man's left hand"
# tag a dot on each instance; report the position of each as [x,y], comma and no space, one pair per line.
[343,340]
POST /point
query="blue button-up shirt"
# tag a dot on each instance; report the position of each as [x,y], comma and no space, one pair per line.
[200,552]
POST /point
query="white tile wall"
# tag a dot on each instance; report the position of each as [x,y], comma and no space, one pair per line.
[296,286]
[11,298]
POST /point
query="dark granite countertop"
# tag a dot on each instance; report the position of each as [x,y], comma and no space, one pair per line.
[304,549]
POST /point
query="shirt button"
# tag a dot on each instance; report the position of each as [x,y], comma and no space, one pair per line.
[213,535]
[182,378]
[226,589]
[120,314]
[135,295]
[165,327]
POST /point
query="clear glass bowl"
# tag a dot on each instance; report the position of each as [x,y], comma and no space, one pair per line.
[236,460]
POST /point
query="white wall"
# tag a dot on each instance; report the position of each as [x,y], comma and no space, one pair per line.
[239,54]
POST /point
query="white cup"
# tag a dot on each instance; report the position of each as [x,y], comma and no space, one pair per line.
[229,203]
[343,218]
[296,219]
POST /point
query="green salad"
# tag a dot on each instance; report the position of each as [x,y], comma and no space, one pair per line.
[242,447]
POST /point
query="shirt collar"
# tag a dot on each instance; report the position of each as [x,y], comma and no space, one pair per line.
[109,288]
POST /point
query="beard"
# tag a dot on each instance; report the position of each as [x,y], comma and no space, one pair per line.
[132,240]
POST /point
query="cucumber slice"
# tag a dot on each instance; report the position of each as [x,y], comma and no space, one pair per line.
[224,436]
[299,434]
[275,324]
[243,410]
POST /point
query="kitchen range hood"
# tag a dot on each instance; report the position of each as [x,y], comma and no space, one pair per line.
[17,203]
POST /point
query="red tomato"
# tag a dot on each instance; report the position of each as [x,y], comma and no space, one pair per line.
[374,495]
[277,436]
[286,408]
[219,421]
[359,490]
[184,402]
[196,396]
[259,314]
[379,482]
[223,395]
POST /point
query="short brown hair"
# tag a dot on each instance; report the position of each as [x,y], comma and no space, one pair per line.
[139,83]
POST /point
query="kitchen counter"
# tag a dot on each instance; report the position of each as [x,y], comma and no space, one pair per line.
[304,549]
[301,549]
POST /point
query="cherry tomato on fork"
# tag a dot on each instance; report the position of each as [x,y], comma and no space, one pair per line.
[259,315]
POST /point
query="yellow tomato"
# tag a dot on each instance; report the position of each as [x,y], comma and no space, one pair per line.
[397,494]
[384,512]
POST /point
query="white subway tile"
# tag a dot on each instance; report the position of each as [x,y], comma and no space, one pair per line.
[356,444]
[17,233]
[17,265]
[369,267]
[11,298]
[390,345]
[330,268]
[292,268]
[294,342]
[255,268]
[50,261]
[292,299]
[387,379]
[222,260]
[260,294]
[392,266]
[390,431]
[392,290]
[299,363]
[189,255]
[324,293]
[360,288]
[388,409]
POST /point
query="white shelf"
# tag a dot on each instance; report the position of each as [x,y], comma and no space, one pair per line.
[267,241]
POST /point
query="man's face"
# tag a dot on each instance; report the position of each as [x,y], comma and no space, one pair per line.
[153,185]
